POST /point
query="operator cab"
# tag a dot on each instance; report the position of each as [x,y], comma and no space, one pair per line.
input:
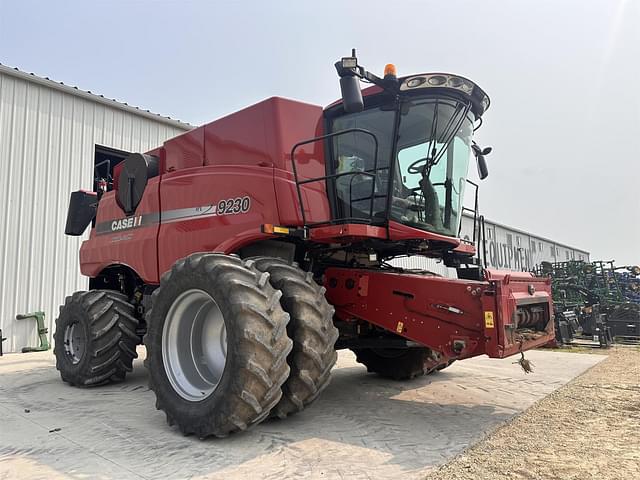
[401,151]
[432,149]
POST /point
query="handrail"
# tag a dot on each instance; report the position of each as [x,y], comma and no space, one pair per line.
[479,228]
[484,241]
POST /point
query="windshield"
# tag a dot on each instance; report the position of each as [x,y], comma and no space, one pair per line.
[434,145]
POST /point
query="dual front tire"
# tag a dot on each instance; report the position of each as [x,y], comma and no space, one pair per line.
[231,342]
[310,327]
[216,345]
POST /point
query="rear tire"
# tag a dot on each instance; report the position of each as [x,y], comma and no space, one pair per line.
[312,330]
[397,364]
[95,339]
[239,388]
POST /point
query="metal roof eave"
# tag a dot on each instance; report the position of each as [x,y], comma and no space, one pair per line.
[31,77]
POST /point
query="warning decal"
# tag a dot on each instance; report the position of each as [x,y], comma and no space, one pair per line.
[488,320]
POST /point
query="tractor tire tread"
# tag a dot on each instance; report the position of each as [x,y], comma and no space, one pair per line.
[311,328]
[108,319]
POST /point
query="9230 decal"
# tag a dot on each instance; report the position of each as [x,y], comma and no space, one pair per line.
[233,206]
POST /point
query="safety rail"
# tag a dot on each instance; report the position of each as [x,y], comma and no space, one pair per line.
[371,173]
[482,239]
[479,232]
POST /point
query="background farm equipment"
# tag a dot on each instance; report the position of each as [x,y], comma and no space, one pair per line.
[594,300]
[43,332]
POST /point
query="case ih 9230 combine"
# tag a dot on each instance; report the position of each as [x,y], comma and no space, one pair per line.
[212,250]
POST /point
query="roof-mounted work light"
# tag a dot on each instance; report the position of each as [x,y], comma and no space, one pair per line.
[448,81]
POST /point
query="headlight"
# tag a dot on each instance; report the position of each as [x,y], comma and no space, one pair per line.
[446,80]
[416,82]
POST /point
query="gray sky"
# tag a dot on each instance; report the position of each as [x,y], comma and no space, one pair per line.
[563,77]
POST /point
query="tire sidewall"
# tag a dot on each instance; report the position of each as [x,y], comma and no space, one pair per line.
[217,403]
[313,354]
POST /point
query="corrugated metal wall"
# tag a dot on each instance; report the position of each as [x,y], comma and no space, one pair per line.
[512,249]
[507,249]
[47,139]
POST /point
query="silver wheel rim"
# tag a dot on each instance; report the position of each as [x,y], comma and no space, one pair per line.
[74,342]
[194,345]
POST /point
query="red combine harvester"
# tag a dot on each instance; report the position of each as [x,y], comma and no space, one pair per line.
[245,252]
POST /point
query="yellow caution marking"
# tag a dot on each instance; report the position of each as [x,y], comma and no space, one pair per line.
[399,327]
[488,320]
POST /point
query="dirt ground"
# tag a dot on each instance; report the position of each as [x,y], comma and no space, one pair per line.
[588,429]
[361,427]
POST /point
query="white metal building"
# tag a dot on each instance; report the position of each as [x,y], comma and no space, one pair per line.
[508,248]
[48,137]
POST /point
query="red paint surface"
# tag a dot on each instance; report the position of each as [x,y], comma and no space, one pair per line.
[135,248]
[203,186]
[246,153]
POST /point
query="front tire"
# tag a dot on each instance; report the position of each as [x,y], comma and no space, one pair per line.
[95,339]
[216,345]
[311,329]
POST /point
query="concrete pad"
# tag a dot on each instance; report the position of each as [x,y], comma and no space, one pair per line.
[362,426]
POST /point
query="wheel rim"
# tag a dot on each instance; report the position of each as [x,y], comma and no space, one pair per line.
[74,342]
[194,345]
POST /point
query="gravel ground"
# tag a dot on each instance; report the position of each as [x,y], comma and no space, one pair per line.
[588,429]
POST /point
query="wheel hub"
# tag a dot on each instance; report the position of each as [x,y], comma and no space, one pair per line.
[74,342]
[194,345]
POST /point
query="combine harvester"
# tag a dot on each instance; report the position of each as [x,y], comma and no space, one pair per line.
[245,252]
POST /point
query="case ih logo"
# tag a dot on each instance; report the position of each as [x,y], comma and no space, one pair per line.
[125,223]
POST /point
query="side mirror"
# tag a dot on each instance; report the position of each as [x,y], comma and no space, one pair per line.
[351,94]
[483,170]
